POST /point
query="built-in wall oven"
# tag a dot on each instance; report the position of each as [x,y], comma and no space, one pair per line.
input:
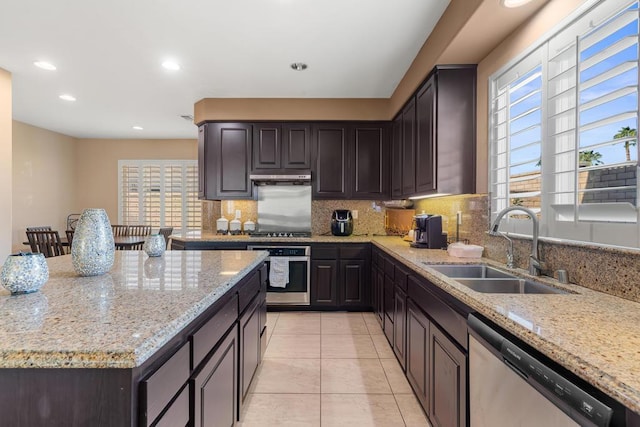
[296,289]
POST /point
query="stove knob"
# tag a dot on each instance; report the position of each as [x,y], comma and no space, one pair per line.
[279,234]
[290,234]
[268,234]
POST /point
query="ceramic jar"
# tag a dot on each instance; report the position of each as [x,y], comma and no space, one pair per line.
[235,226]
[93,250]
[249,227]
[222,225]
[154,245]
[24,273]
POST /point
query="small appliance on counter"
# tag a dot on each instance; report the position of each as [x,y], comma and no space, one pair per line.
[341,222]
[427,232]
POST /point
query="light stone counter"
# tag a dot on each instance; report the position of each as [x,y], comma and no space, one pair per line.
[119,319]
[200,236]
[592,334]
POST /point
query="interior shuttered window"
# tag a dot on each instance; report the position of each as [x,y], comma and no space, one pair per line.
[161,193]
[584,184]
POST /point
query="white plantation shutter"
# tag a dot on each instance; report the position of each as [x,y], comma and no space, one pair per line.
[161,193]
[586,185]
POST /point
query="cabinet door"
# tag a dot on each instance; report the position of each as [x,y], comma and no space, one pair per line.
[330,180]
[266,146]
[249,346]
[380,290]
[324,282]
[389,305]
[214,389]
[352,283]
[201,162]
[232,151]
[399,326]
[425,137]
[418,353]
[396,158]
[296,146]
[448,385]
[371,161]
[408,148]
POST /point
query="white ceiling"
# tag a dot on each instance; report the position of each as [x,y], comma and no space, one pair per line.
[109,54]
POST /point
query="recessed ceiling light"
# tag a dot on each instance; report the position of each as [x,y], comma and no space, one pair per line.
[514,3]
[138,128]
[45,65]
[171,65]
[299,66]
[67,97]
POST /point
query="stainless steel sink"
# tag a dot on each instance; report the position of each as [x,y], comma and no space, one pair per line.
[509,286]
[473,271]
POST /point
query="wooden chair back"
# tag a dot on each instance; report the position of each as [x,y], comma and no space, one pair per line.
[166,232]
[120,230]
[40,228]
[47,243]
[139,230]
[70,238]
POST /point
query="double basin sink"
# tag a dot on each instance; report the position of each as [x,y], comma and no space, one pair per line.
[486,279]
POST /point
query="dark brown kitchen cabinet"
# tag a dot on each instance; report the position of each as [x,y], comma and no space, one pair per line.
[409,148]
[281,146]
[396,158]
[351,161]
[388,300]
[228,160]
[352,277]
[418,338]
[400,315]
[425,137]
[214,388]
[448,382]
[324,282]
[202,169]
[249,331]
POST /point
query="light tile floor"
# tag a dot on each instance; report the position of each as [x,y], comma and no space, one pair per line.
[329,369]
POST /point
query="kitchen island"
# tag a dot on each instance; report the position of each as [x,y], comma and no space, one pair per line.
[106,350]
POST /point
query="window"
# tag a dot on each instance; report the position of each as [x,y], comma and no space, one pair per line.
[563,125]
[161,193]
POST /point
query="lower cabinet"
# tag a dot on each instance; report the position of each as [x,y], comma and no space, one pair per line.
[324,283]
[352,278]
[249,348]
[399,326]
[214,387]
[417,353]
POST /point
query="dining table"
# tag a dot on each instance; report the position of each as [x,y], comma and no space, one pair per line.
[128,242]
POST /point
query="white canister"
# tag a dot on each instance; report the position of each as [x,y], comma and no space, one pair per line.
[235,226]
[249,226]
[222,225]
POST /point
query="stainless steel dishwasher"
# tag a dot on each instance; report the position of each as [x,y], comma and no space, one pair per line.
[509,386]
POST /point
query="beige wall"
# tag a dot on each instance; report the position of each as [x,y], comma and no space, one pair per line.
[97,168]
[546,18]
[5,164]
[43,179]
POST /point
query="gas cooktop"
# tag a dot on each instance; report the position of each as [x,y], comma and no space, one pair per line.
[281,234]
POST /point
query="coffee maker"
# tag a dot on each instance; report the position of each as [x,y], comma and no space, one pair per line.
[427,232]
[341,222]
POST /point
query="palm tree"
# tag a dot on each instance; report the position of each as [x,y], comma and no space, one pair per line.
[626,132]
[590,158]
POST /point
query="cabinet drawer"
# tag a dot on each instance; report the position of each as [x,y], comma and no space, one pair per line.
[158,390]
[178,412]
[351,251]
[388,267]
[324,252]
[449,320]
[210,333]
[401,277]
[248,290]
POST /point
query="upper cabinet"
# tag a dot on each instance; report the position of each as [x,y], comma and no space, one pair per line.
[279,146]
[351,160]
[436,132]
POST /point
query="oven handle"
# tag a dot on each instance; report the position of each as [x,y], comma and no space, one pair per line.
[291,259]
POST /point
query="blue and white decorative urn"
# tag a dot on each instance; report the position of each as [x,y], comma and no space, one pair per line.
[154,245]
[24,273]
[92,250]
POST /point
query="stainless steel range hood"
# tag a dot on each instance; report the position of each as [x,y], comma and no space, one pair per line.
[300,177]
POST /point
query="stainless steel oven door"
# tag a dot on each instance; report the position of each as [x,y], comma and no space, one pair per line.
[297,291]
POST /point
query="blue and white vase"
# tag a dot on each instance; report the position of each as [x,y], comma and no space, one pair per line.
[154,245]
[24,273]
[92,250]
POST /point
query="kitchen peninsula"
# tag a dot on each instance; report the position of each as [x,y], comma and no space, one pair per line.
[122,348]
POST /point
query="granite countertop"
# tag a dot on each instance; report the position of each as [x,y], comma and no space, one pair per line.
[119,319]
[204,236]
[592,334]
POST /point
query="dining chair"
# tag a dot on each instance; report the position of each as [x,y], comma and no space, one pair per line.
[138,230]
[40,228]
[70,238]
[166,232]
[120,230]
[47,243]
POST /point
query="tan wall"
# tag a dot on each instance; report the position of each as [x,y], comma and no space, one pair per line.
[97,168]
[5,164]
[43,179]
[527,34]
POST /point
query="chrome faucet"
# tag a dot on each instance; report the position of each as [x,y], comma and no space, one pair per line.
[535,266]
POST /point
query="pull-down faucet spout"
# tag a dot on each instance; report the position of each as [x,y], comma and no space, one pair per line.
[535,266]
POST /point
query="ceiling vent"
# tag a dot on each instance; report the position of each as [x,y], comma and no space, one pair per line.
[187,117]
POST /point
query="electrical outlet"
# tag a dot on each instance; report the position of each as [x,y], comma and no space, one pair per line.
[354,214]
[238,213]
[459,217]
